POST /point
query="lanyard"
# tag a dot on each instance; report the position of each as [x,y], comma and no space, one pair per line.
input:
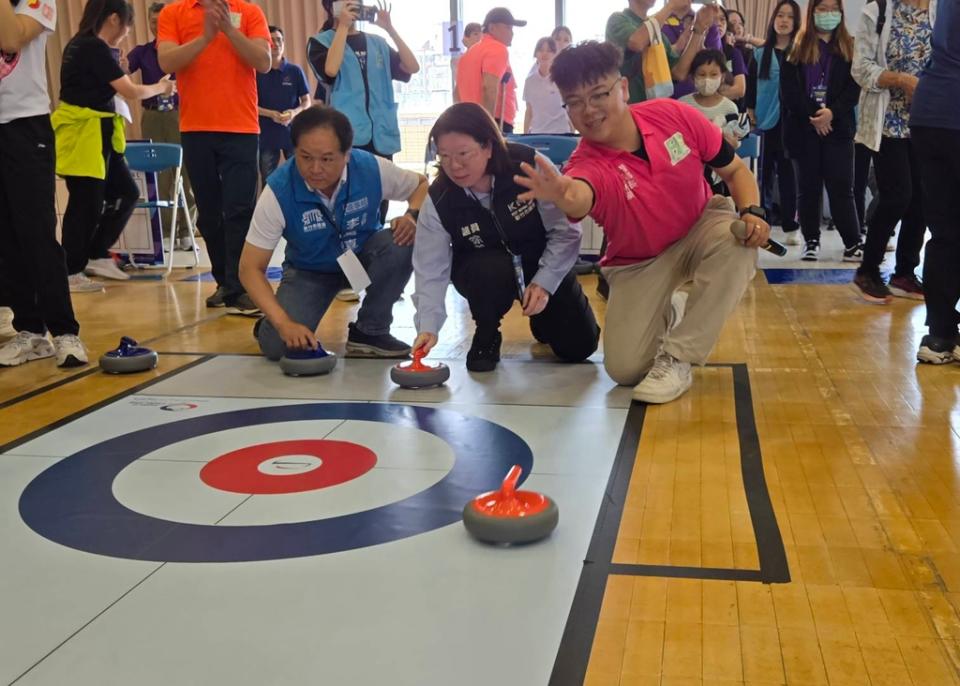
[329,217]
[514,257]
[825,70]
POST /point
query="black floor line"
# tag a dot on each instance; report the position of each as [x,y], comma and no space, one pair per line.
[573,656]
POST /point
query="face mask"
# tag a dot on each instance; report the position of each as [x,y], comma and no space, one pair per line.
[707,86]
[827,21]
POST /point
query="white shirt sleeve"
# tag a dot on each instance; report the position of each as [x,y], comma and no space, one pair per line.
[432,264]
[396,183]
[266,228]
[44,12]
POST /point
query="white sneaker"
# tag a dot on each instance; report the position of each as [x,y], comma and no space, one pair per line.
[70,351]
[25,347]
[105,267]
[667,380]
[792,238]
[6,324]
[348,295]
[79,283]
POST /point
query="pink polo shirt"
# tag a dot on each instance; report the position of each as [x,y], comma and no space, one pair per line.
[645,207]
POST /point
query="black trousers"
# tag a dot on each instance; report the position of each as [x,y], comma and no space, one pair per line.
[223,169]
[938,156]
[827,161]
[775,166]
[98,209]
[900,192]
[862,159]
[33,271]
[486,279]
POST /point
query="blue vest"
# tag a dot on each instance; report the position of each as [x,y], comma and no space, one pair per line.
[313,244]
[375,120]
[768,93]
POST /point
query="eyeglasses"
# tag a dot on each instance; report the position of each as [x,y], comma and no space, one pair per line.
[461,159]
[595,100]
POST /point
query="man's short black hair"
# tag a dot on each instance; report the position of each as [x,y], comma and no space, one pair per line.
[318,116]
[275,29]
[708,57]
[157,7]
[584,64]
[472,28]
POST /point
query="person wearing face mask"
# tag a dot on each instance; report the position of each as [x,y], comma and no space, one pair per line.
[545,113]
[819,96]
[91,142]
[495,249]
[322,203]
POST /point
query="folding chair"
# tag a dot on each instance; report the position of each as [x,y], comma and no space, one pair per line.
[555,148]
[750,150]
[155,158]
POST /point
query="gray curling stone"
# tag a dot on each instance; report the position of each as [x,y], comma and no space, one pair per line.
[419,375]
[129,357]
[308,362]
[511,529]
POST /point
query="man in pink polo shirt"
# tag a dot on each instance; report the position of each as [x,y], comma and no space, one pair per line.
[639,172]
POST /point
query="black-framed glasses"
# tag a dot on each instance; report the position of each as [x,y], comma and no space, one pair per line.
[595,100]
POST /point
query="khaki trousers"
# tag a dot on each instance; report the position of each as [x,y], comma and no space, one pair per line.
[639,315]
[164,127]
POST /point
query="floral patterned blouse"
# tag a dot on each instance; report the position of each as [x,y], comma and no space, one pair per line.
[908,51]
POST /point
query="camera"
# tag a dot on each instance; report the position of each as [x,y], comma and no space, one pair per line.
[362,12]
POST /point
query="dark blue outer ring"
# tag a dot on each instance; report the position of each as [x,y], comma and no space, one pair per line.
[72,502]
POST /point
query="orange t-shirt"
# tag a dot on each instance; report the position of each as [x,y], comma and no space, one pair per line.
[489,56]
[218,90]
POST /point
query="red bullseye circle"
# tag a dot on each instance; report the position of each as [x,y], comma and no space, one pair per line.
[239,471]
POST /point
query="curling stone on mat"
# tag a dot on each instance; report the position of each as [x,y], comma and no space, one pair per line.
[417,374]
[308,362]
[129,357]
[509,515]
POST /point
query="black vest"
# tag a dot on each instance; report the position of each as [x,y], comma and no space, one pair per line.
[471,226]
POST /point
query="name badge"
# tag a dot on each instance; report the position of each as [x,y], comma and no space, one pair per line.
[354,271]
[677,148]
[820,95]
[235,19]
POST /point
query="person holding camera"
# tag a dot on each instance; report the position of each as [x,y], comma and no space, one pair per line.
[359,70]
[33,272]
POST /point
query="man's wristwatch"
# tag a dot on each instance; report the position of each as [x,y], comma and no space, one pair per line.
[755,210]
[414,214]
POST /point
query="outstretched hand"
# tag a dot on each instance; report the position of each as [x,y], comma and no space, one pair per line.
[544,182]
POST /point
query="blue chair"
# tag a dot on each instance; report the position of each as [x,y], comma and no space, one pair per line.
[750,150]
[153,158]
[555,148]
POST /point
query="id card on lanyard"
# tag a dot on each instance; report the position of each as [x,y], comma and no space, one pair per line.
[514,257]
[820,90]
[348,260]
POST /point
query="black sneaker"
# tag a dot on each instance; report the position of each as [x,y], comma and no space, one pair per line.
[811,251]
[216,300]
[603,288]
[936,350]
[484,353]
[871,287]
[853,254]
[244,306]
[909,287]
[360,344]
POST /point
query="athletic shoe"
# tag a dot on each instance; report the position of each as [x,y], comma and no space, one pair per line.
[243,306]
[216,300]
[603,288]
[906,287]
[854,254]
[811,251]
[667,380]
[936,350]
[6,324]
[348,295]
[484,353]
[70,351]
[79,283]
[106,268]
[360,344]
[183,244]
[792,238]
[26,346]
[871,287]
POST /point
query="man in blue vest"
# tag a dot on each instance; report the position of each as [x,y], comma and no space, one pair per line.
[324,203]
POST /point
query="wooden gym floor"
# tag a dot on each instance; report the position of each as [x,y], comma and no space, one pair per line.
[859,451]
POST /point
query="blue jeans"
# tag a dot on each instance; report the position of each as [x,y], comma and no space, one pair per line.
[305,295]
[270,160]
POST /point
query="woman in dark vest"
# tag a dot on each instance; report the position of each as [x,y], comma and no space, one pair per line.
[473,231]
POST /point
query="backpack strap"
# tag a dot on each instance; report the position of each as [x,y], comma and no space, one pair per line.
[881,15]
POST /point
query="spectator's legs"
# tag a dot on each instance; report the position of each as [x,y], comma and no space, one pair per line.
[913,226]
[164,127]
[237,169]
[80,219]
[200,159]
[896,189]
[120,199]
[269,160]
[836,167]
[861,175]
[810,186]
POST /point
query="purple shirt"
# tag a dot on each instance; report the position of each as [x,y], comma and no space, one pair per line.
[818,74]
[144,58]
[712,42]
